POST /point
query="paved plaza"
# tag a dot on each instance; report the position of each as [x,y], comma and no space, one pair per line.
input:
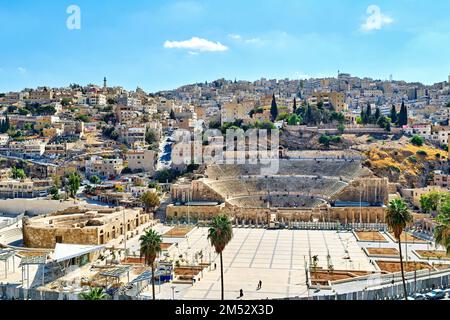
[276,257]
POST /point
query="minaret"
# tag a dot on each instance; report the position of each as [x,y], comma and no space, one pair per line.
[105,83]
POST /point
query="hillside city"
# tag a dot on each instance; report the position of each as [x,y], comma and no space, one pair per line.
[358,208]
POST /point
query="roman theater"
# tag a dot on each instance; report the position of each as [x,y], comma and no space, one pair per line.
[333,188]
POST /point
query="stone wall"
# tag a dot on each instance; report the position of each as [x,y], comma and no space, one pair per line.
[202,192]
[372,190]
[259,215]
[16,207]
[37,237]
[71,229]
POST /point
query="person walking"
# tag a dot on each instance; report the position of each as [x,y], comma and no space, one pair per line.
[241,294]
[260,285]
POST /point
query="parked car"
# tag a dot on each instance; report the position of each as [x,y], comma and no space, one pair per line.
[419,296]
[436,294]
[447,291]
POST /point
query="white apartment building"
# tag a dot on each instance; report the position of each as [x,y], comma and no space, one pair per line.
[132,134]
[441,179]
[423,130]
[11,189]
[25,149]
[93,99]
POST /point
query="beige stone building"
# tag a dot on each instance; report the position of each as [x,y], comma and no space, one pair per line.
[12,189]
[103,167]
[141,160]
[81,226]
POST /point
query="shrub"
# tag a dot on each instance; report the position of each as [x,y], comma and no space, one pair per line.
[422,153]
[417,141]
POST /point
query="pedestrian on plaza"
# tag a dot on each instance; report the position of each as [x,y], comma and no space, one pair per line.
[260,285]
[241,294]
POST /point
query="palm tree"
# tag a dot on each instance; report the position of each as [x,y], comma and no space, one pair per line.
[220,234]
[93,294]
[442,230]
[150,249]
[397,218]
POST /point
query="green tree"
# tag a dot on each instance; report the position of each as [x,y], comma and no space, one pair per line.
[5,126]
[368,111]
[377,114]
[388,127]
[442,230]
[417,140]
[274,109]
[84,118]
[66,101]
[397,218]
[382,121]
[311,115]
[172,115]
[403,115]
[294,120]
[283,116]
[220,234]
[94,294]
[150,136]
[341,128]
[74,184]
[325,140]
[359,120]
[294,108]
[94,180]
[393,115]
[363,117]
[54,192]
[432,201]
[150,200]
[150,248]
[18,173]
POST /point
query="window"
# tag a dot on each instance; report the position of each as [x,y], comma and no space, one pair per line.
[58,239]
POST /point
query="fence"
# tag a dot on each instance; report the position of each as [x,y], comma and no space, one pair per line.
[11,221]
[385,291]
[441,280]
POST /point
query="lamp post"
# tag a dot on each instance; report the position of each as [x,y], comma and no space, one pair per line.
[124,233]
[173,292]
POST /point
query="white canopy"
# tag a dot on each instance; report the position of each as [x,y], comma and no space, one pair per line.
[65,252]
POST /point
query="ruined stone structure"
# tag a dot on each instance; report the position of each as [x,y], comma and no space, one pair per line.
[307,189]
[80,226]
[324,213]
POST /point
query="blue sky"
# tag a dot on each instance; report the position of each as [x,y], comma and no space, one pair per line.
[164,44]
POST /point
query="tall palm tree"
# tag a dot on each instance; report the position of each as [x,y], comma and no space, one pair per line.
[220,234]
[397,218]
[442,230]
[93,294]
[150,249]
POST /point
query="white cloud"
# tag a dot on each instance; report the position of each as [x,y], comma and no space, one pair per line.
[238,37]
[193,53]
[196,44]
[22,70]
[235,36]
[376,19]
